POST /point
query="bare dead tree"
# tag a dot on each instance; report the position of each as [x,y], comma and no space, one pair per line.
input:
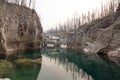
[23,3]
[30,3]
[71,24]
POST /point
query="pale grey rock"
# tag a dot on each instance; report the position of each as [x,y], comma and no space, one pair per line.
[20,28]
[99,37]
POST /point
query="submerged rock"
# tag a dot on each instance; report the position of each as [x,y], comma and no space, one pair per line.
[20,28]
[5,79]
[101,36]
[38,61]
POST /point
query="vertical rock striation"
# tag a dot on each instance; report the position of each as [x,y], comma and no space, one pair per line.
[101,36]
[20,28]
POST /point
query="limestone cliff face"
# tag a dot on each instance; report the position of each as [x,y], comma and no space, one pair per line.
[20,28]
[101,36]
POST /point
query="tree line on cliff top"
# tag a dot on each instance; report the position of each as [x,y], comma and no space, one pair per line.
[27,3]
[107,8]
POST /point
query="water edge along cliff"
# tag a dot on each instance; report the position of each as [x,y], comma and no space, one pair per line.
[20,28]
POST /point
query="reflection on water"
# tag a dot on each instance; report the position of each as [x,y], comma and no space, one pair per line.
[71,65]
[20,66]
[59,64]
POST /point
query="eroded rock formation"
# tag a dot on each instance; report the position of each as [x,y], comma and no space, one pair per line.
[101,36]
[20,28]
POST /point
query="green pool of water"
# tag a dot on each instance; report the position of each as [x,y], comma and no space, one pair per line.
[58,64]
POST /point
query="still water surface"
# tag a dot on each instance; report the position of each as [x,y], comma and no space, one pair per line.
[59,64]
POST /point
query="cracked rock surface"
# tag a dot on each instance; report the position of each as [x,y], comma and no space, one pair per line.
[20,28]
[98,37]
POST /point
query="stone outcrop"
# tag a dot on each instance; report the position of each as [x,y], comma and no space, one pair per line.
[20,28]
[101,36]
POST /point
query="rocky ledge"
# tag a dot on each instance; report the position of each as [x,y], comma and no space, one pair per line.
[101,36]
[20,28]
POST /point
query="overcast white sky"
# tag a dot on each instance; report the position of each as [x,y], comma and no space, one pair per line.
[53,12]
